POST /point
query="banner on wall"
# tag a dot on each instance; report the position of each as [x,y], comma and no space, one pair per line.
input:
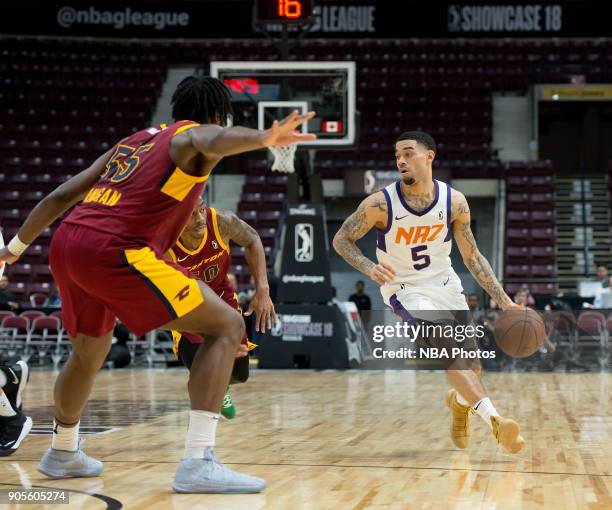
[204,19]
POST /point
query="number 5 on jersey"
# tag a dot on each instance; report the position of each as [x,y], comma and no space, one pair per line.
[418,256]
[123,162]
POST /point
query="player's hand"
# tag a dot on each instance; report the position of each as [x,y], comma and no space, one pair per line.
[284,132]
[242,351]
[382,273]
[6,256]
[263,307]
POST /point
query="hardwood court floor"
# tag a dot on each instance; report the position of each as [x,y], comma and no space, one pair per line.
[340,440]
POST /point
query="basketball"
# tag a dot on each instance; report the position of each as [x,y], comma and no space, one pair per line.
[519,333]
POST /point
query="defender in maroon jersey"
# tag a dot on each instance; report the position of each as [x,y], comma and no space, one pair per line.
[203,249]
[107,261]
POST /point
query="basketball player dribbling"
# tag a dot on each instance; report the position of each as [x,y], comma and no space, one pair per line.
[415,218]
[203,249]
[107,261]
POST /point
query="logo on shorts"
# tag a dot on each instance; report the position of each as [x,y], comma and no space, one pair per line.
[183,293]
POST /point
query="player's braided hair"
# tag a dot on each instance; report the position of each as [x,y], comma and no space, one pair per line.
[202,99]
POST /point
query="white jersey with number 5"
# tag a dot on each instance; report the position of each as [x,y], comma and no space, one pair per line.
[417,244]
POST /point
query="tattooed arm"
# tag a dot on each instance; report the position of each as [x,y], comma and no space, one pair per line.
[372,212]
[473,259]
[232,228]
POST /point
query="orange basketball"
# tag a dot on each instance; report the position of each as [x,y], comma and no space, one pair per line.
[519,333]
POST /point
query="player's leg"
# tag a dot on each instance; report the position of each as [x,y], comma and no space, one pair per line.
[210,372]
[89,324]
[464,374]
[468,395]
[186,349]
[72,388]
[75,380]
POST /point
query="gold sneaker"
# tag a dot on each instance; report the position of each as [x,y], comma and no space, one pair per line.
[461,427]
[506,431]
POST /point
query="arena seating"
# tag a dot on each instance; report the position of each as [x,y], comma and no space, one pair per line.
[530,227]
[49,86]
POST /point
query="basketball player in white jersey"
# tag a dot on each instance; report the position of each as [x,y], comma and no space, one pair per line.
[415,218]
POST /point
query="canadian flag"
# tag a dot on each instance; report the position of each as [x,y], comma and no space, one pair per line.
[331,126]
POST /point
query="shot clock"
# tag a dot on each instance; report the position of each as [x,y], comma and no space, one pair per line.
[283,11]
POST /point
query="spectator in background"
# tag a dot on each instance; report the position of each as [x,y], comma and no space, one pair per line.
[520,298]
[8,301]
[601,275]
[600,301]
[524,297]
[360,298]
[473,302]
[54,299]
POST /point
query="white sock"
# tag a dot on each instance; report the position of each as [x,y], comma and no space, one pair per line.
[201,433]
[485,409]
[65,438]
[2,378]
[461,400]
[6,409]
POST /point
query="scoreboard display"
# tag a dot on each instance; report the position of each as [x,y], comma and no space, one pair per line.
[283,11]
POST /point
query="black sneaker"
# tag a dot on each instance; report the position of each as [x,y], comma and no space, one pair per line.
[13,430]
[17,376]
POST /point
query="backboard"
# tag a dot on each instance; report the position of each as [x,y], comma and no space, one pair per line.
[325,87]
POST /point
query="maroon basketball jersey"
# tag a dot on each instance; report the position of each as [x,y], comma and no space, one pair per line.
[211,260]
[142,198]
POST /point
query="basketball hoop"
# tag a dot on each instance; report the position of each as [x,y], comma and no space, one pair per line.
[284,158]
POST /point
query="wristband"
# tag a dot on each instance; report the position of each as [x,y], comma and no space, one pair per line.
[17,246]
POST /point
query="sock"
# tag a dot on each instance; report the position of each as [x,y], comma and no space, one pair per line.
[462,401]
[201,433]
[6,409]
[65,438]
[2,378]
[485,409]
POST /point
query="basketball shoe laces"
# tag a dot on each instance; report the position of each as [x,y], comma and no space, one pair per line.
[461,420]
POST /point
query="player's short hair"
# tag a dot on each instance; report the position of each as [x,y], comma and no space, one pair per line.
[202,99]
[421,137]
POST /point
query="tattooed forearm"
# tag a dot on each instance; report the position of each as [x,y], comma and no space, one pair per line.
[349,251]
[481,269]
[232,227]
[355,227]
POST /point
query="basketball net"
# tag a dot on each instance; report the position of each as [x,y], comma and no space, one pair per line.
[284,158]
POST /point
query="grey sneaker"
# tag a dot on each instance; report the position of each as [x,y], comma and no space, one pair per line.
[208,475]
[62,464]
